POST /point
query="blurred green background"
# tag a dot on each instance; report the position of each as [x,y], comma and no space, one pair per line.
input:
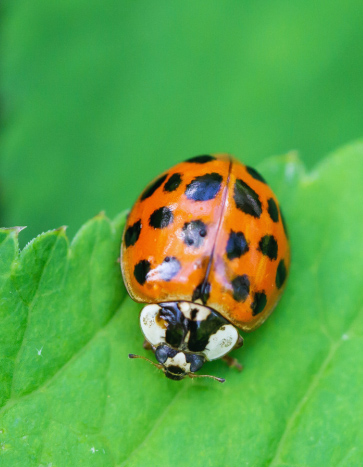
[99,97]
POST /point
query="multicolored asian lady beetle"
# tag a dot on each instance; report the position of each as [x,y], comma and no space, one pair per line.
[206,247]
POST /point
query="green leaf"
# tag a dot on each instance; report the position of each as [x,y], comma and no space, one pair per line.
[70,396]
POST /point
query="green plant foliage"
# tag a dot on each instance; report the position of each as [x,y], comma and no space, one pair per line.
[93,91]
[71,397]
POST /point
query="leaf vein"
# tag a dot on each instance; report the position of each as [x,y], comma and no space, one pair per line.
[13,401]
[30,307]
[305,398]
[158,421]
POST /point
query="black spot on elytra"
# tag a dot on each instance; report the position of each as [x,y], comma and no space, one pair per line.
[202,292]
[268,246]
[204,187]
[273,210]
[169,268]
[236,245]
[284,224]
[246,199]
[241,288]
[153,187]
[253,172]
[259,303]
[280,274]
[193,233]
[201,159]
[141,270]
[161,218]
[173,182]
[132,234]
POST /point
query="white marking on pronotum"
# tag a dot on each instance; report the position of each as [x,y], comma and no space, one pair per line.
[154,332]
[39,351]
[184,307]
[222,342]
[345,337]
[93,450]
[202,311]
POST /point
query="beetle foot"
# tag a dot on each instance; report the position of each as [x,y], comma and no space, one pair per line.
[232,362]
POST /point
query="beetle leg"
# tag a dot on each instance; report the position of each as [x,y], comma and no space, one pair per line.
[232,362]
[147,345]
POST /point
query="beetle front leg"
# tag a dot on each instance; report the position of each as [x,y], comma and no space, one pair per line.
[232,362]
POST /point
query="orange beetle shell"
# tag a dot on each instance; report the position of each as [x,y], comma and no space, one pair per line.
[209,230]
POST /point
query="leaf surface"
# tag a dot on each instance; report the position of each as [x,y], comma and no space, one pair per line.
[70,396]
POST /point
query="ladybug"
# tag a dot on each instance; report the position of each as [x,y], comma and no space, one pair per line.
[205,247]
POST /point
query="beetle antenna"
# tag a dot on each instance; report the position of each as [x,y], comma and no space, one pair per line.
[193,375]
[131,355]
